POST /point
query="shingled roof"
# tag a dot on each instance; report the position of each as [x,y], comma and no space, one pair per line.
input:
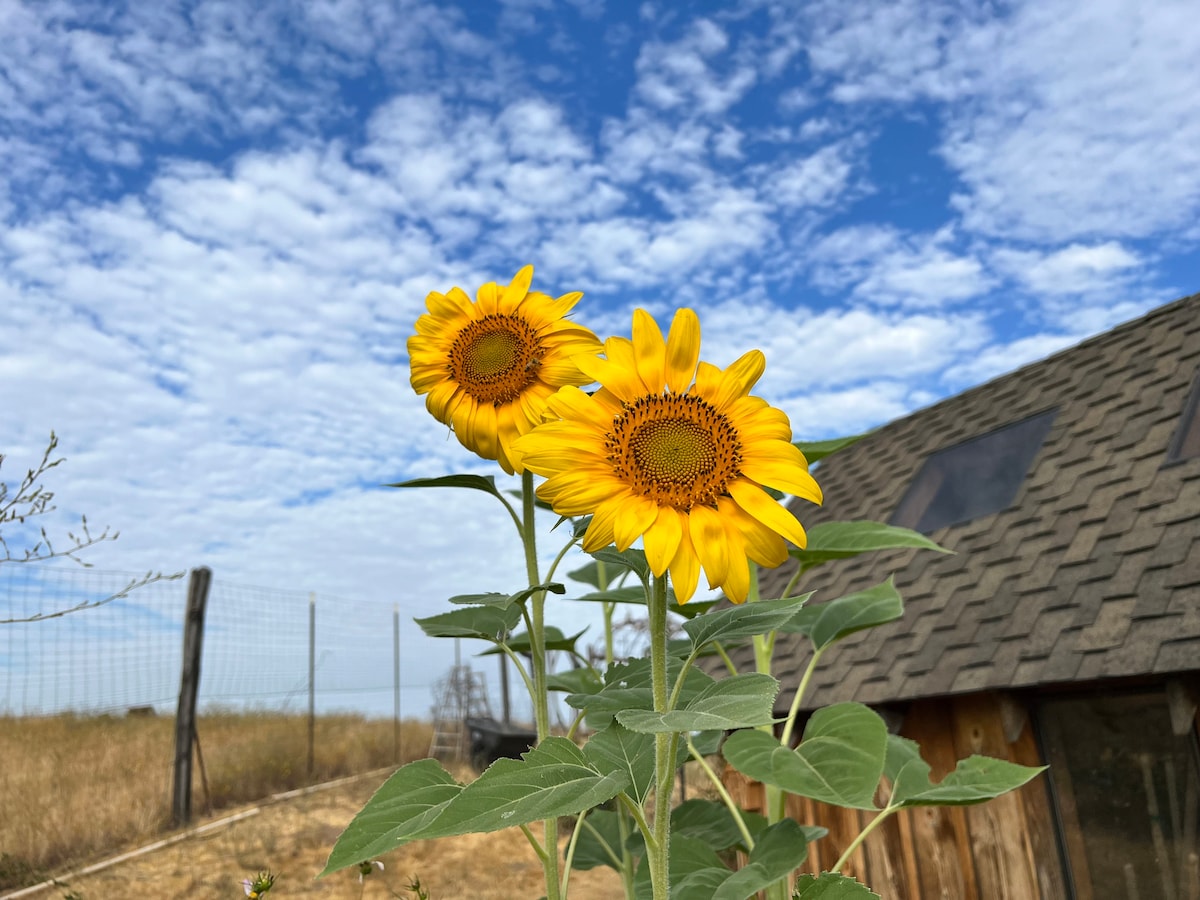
[1094,570]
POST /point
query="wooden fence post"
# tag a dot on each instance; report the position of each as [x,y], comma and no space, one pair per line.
[189,685]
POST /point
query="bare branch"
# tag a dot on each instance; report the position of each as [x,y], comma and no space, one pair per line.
[149,578]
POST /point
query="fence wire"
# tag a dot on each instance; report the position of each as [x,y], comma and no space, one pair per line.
[127,653]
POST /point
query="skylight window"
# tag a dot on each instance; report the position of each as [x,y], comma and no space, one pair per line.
[972,479]
[1186,442]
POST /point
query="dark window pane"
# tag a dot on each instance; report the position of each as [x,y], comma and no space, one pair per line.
[974,478]
[1127,792]
[1186,442]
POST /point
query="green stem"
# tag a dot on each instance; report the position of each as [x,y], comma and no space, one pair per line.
[713,777]
[537,652]
[570,856]
[872,825]
[725,657]
[658,850]
[794,711]
[625,863]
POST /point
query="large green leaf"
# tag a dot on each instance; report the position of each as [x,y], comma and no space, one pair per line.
[485,483]
[503,601]
[627,686]
[553,779]
[815,451]
[632,559]
[695,871]
[777,852]
[583,680]
[975,779]
[617,749]
[839,760]
[403,806]
[711,822]
[828,623]
[599,842]
[831,886]
[555,640]
[742,701]
[746,620]
[489,623]
[842,540]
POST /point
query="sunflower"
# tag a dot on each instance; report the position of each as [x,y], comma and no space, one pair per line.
[677,452]
[488,367]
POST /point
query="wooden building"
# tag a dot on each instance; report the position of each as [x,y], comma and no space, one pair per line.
[1064,631]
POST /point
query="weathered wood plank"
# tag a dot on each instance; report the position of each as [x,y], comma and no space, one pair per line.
[940,834]
[1039,819]
[1000,847]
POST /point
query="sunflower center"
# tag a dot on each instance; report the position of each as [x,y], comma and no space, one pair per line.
[674,449]
[495,358]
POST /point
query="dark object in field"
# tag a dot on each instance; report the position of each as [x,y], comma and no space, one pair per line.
[492,740]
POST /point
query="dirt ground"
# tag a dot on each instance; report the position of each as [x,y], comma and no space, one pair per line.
[292,838]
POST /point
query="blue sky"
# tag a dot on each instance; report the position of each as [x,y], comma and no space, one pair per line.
[220,222]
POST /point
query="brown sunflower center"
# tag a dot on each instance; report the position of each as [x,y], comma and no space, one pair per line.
[495,358]
[674,449]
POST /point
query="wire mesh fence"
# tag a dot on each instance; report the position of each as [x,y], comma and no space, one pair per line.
[263,647]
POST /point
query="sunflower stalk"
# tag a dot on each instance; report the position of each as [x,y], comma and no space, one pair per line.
[537,652]
[658,849]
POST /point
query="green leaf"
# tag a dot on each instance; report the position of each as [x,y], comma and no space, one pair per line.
[599,842]
[828,623]
[617,749]
[633,594]
[627,686]
[583,680]
[742,701]
[831,886]
[900,752]
[743,621]
[975,779]
[839,760]
[402,807]
[553,779]
[633,559]
[485,483]
[815,451]
[842,540]
[777,852]
[707,743]
[711,822]
[695,871]
[503,601]
[555,640]
[487,622]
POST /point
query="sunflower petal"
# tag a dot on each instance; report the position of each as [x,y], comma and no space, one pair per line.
[759,504]
[661,540]
[650,351]
[708,537]
[632,521]
[683,350]
[685,569]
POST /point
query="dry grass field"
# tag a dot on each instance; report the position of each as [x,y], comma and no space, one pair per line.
[77,788]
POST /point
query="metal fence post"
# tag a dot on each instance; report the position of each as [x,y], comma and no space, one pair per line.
[189,686]
[312,676]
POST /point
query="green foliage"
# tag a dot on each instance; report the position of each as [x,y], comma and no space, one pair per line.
[975,779]
[485,483]
[600,841]
[742,701]
[828,623]
[778,850]
[617,749]
[831,886]
[554,640]
[839,760]
[737,622]
[503,601]
[842,540]
[488,623]
[815,451]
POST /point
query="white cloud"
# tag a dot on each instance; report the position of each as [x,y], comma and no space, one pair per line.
[681,74]
[1075,269]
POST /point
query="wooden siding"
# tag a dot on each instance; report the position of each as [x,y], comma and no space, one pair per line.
[1001,850]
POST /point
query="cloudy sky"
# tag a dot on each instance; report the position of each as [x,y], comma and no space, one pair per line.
[220,221]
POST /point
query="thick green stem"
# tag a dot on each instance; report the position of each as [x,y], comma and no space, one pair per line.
[658,849]
[537,652]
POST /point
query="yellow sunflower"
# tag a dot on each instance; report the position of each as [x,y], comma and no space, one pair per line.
[677,452]
[488,366]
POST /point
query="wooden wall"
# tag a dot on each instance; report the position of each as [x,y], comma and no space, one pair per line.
[1001,850]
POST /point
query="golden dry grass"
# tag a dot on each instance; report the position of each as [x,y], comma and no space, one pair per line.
[73,788]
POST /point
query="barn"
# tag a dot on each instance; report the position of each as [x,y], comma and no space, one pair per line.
[1064,630]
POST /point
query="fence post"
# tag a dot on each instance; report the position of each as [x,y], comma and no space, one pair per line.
[312,675]
[396,683]
[189,685]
